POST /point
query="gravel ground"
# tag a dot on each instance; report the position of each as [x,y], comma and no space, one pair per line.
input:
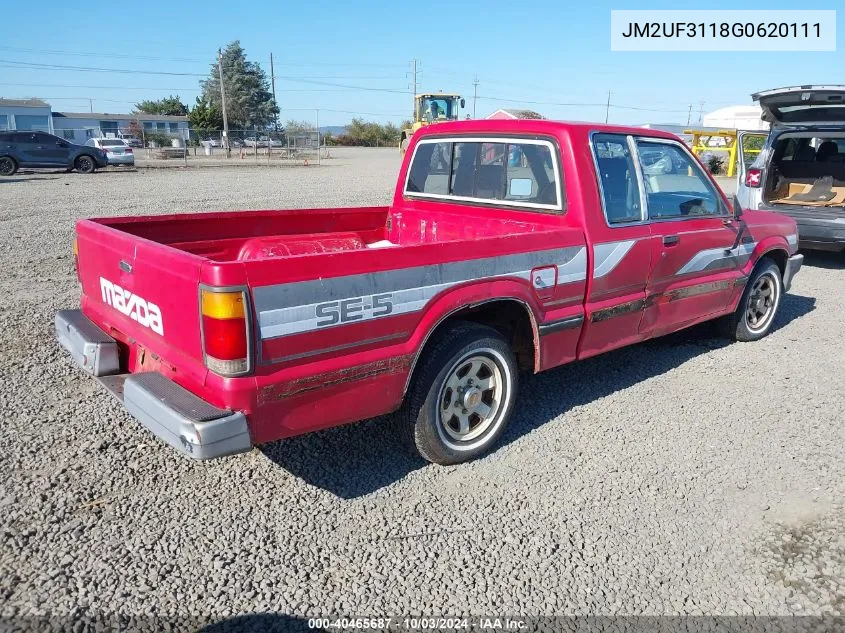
[682,476]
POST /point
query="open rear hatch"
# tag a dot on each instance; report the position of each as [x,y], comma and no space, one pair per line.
[803,105]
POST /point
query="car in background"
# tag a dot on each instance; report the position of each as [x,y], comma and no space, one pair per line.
[800,169]
[251,141]
[270,142]
[132,141]
[117,150]
[210,141]
[32,149]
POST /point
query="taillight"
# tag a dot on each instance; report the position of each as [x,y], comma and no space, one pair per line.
[128,150]
[753,178]
[225,332]
[76,258]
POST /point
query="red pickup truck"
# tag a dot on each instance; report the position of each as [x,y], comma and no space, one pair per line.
[510,246]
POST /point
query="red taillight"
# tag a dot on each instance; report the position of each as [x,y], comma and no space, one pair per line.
[225,332]
[128,150]
[753,178]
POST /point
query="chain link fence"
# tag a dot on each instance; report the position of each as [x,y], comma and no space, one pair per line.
[188,144]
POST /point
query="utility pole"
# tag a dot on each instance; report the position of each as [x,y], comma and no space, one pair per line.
[273,86]
[317,122]
[689,115]
[700,112]
[91,105]
[414,72]
[474,94]
[607,109]
[223,103]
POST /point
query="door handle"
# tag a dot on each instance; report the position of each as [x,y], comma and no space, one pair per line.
[671,240]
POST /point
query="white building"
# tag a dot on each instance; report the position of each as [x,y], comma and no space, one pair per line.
[25,114]
[740,117]
[78,127]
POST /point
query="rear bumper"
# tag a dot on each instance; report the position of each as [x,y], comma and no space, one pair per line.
[121,159]
[186,422]
[820,234]
[793,265]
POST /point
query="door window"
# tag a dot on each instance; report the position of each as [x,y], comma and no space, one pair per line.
[617,174]
[675,186]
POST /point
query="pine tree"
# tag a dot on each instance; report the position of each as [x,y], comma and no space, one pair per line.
[249,102]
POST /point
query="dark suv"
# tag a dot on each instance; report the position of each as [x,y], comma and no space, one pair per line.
[39,149]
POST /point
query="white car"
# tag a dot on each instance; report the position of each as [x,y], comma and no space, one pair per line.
[117,150]
[798,168]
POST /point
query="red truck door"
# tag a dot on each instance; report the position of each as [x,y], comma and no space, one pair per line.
[694,262]
[620,250]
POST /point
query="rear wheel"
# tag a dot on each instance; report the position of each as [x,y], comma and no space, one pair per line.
[461,396]
[8,166]
[85,164]
[758,306]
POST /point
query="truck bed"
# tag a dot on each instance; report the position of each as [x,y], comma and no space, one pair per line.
[251,235]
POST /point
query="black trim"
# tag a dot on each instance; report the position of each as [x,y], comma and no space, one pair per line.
[563,324]
[699,289]
[618,310]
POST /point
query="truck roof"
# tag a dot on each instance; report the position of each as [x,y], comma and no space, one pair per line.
[534,126]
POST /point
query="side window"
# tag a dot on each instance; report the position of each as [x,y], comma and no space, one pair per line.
[674,184]
[530,174]
[26,138]
[618,177]
[430,170]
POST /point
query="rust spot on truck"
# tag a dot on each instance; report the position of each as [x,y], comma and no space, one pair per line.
[333,378]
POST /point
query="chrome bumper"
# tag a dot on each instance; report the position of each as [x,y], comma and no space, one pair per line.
[793,265]
[186,422]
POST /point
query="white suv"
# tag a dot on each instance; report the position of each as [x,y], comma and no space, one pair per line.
[800,170]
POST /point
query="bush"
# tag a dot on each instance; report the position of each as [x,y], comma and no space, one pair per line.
[159,138]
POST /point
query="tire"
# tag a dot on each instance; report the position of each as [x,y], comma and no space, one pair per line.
[449,416]
[8,166]
[756,310]
[85,164]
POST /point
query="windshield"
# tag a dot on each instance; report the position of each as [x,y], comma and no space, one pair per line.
[438,109]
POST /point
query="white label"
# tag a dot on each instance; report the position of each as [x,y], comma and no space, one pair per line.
[144,312]
[723,30]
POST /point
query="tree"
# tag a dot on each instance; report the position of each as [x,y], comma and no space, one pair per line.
[249,102]
[205,117]
[299,128]
[169,105]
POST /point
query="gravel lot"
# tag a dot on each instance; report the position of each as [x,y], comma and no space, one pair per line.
[681,476]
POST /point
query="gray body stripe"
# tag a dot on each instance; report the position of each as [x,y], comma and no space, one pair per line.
[608,256]
[573,270]
[289,309]
[716,258]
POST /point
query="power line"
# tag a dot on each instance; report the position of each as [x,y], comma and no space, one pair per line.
[100,54]
[16,64]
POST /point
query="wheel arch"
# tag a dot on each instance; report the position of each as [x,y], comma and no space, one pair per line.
[511,316]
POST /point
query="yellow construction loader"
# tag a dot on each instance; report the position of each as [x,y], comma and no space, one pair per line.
[429,109]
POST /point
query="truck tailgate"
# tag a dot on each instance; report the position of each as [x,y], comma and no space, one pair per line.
[145,295]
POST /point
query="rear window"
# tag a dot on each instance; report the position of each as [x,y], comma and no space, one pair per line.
[512,172]
[112,142]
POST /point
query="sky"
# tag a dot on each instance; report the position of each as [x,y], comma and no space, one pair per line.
[353,59]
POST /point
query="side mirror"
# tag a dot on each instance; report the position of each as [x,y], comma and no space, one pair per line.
[463,103]
[737,208]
